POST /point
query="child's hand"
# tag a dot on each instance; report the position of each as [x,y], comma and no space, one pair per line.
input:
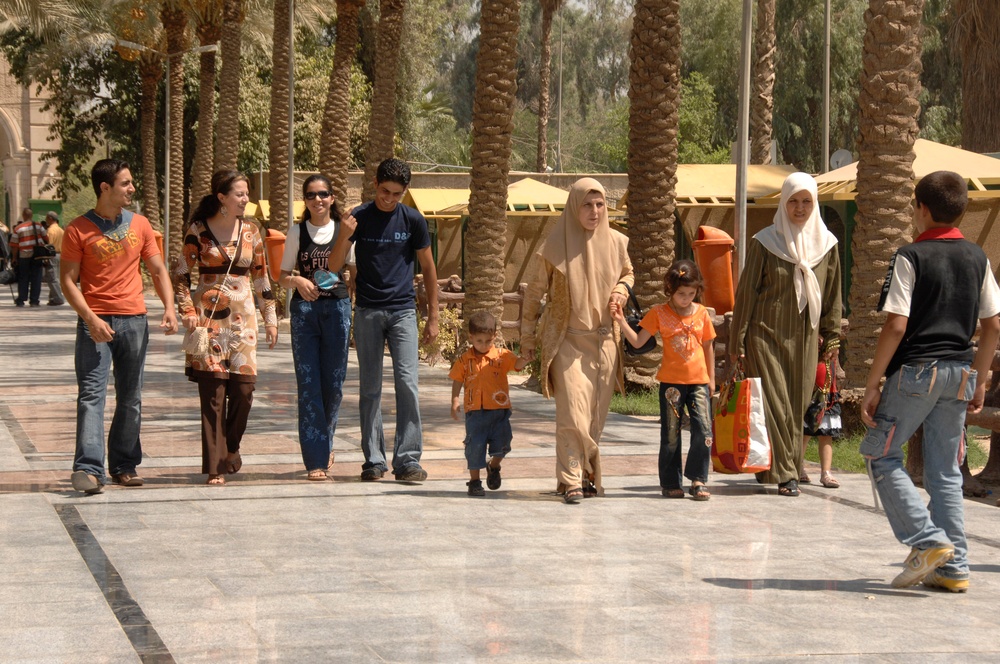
[617,313]
[456,407]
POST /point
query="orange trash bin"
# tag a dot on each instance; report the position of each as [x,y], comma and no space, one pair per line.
[713,252]
[274,242]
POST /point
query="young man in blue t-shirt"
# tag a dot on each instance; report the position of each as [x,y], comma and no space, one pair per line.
[936,290]
[387,236]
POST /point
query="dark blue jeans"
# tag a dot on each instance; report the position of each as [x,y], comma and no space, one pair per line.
[127,353]
[320,334]
[699,407]
[29,280]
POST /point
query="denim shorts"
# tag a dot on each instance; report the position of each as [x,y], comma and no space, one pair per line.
[486,430]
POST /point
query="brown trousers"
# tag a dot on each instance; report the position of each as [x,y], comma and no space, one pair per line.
[225,409]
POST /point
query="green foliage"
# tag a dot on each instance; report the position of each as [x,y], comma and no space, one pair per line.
[641,402]
[697,113]
[847,458]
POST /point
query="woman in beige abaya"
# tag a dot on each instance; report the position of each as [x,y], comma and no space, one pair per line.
[582,270]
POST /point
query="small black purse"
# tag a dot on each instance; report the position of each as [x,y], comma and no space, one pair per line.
[633,316]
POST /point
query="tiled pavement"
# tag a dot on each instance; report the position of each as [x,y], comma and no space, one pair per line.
[272,567]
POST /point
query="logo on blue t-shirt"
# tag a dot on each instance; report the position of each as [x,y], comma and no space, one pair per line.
[402,237]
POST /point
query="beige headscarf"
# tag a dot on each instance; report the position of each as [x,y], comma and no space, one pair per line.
[803,246]
[589,259]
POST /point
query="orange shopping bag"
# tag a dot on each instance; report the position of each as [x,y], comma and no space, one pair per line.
[739,435]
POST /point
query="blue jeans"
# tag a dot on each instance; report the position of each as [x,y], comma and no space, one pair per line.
[29,280]
[127,352]
[372,328]
[699,407]
[486,429]
[936,395]
[320,335]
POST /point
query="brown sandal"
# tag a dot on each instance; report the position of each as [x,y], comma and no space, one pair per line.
[829,481]
[573,496]
[318,475]
[233,463]
[673,493]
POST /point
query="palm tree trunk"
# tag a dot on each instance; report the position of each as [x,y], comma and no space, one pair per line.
[279,130]
[654,93]
[335,149]
[150,71]
[549,8]
[888,111]
[492,131]
[174,24]
[762,101]
[977,26]
[227,135]
[204,158]
[382,123]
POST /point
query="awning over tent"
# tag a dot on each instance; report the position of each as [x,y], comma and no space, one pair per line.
[525,197]
[715,184]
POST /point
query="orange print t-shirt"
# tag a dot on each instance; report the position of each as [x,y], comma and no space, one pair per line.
[109,269]
[683,338]
[484,378]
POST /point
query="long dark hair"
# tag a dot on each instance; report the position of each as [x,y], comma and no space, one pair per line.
[683,273]
[222,183]
[335,211]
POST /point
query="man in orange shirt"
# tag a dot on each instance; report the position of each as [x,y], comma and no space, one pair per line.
[101,250]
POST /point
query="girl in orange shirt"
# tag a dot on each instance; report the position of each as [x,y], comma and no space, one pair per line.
[687,377]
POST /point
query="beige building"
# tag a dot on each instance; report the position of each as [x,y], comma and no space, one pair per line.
[27,176]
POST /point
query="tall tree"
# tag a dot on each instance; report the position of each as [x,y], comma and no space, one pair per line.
[549,9]
[335,149]
[492,130]
[888,110]
[762,99]
[977,26]
[174,21]
[227,137]
[382,124]
[654,93]
[279,130]
[207,15]
[150,73]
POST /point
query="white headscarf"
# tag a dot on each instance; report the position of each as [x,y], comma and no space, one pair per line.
[803,246]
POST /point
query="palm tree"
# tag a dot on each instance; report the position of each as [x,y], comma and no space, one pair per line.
[207,15]
[174,20]
[762,100]
[279,132]
[549,8]
[150,73]
[227,136]
[654,93]
[335,149]
[977,27]
[382,123]
[888,111]
[492,130]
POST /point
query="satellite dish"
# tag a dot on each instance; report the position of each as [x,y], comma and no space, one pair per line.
[841,158]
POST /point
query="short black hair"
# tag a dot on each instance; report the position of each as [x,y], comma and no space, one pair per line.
[945,194]
[106,170]
[393,170]
[482,322]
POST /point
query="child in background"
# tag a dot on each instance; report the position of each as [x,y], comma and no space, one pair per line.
[687,376]
[828,429]
[482,371]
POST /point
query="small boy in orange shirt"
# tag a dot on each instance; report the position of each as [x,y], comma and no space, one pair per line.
[483,370]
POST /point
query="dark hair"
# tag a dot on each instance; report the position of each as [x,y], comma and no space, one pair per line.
[682,273]
[27,211]
[482,322]
[222,183]
[945,194]
[393,170]
[336,212]
[106,170]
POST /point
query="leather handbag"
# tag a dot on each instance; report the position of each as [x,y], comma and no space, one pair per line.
[633,316]
[820,402]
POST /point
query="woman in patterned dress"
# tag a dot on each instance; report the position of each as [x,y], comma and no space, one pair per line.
[232,284]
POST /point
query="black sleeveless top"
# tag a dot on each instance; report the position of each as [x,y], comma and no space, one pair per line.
[312,257]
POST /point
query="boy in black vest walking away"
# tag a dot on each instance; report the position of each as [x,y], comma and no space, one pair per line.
[935,291]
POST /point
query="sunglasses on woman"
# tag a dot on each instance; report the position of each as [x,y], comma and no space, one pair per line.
[322,195]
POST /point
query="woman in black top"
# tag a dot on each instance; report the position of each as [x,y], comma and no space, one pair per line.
[321,323]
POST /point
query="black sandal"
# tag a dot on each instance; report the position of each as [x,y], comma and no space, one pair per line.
[699,492]
[573,496]
[589,490]
[789,488]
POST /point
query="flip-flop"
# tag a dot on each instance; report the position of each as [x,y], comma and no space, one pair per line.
[699,492]
[317,475]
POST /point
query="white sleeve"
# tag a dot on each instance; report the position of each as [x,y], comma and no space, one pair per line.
[291,248]
[900,294]
[989,295]
[350,256]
